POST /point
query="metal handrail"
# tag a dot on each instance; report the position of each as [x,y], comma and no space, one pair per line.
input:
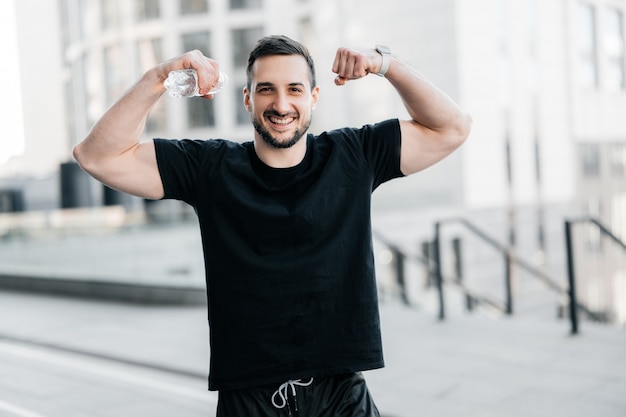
[510,257]
[603,228]
[431,262]
[574,305]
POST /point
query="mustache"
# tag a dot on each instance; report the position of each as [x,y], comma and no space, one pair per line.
[274,113]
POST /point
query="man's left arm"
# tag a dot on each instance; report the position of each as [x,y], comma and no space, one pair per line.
[438,125]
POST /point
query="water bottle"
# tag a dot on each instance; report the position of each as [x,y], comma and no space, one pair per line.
[184,83]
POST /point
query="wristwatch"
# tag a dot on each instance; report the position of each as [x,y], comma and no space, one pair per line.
[385,52]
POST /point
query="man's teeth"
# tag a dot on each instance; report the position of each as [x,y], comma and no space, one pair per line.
[280,120]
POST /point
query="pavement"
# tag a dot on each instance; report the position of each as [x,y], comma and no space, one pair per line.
[470,364]
[90,355]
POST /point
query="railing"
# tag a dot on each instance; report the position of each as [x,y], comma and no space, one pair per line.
[509,258]
[571,271]
[434,263]
[399,258]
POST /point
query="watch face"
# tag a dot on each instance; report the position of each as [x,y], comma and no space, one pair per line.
[383,49]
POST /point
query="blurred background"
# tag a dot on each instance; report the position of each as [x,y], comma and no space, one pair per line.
[534,199]
[544,82]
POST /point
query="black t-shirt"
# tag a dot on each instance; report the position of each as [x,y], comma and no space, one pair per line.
[288,252]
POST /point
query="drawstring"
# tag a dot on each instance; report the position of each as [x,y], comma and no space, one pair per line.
[283,393]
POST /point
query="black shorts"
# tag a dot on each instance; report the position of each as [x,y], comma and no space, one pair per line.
[343,395]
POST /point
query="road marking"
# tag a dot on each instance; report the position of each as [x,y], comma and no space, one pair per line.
[104,368]
[18,411]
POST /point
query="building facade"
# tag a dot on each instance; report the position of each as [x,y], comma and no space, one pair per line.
[543,80]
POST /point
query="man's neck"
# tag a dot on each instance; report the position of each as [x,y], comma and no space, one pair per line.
[280,158]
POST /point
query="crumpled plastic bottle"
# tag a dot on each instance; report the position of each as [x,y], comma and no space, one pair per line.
[184,83]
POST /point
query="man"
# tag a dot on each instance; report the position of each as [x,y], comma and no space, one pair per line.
[285,220]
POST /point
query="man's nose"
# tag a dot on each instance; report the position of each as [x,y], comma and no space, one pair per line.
[281,103]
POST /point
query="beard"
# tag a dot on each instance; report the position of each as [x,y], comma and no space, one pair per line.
[275,143]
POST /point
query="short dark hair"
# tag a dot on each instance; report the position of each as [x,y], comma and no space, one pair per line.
[279,45]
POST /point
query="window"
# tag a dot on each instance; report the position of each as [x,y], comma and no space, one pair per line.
[113,73]
[590,159]
[111,16]
[587,45]
[66,32]
[147,9]
[592,235]
[245,4]
[193,6]
[243,116]
[87,12]
[91,89]
[617,160]
[618,222]
[70,109]
[149,54]
[197,40]
[200,112]
[307,31]
[614,47]
[244,41]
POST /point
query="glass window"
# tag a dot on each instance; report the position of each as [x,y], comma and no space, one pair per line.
[618,222]
[70,109]
[66,33]
[593,236]
[587,45]
[590,159]
[111,16]
[148,9]
[149,54]
[200,112]
[243,116]
[193,6]
[245,4]
[91,89]
[244,41]
[197,40]
[307,31]
[617,160]
[87,11]
[113,74]
[614,46]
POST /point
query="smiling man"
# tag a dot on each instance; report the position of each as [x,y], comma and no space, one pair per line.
[280,105]
[284,218]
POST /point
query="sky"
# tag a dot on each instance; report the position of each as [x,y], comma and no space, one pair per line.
[12,139]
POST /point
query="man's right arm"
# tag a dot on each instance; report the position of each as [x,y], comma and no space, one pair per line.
[112,152]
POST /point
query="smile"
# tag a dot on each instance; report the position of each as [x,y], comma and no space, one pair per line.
[280,121]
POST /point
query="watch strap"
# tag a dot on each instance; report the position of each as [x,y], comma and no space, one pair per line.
[385,52]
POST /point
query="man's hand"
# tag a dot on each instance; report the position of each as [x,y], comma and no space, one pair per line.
[352,64]
[112,151]
[438,125]
[207,69]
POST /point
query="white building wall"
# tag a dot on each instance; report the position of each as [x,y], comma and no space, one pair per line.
[42,92]
[554,119]
[484,170]
[597,113]
[480,52]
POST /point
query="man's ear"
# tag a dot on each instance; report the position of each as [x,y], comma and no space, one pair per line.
[246,99]
[315,95]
